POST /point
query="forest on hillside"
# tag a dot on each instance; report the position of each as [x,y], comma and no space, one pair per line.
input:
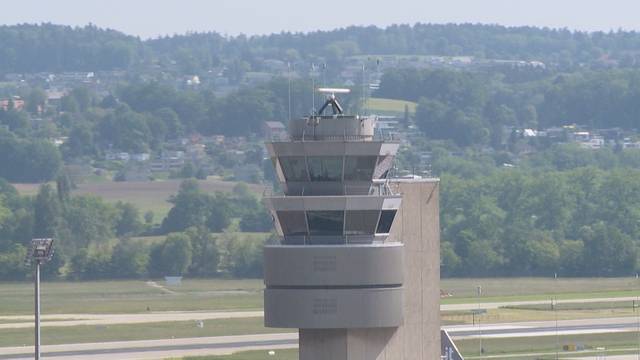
[49,47]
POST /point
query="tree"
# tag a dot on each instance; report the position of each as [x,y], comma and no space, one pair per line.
[12,263]
[190,208]
[256,220]
[449,260]
[47,213]
[129,259]
[80,143]
[245,258]
[127,219]
[176,254]
[206,257]
[88,220]
[608,251]
[35,100]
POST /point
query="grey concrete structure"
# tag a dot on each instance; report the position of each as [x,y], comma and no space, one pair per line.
[357,268]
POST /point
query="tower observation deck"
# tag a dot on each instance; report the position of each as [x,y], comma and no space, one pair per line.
[336,268]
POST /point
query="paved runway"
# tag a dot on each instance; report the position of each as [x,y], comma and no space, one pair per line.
[157,349]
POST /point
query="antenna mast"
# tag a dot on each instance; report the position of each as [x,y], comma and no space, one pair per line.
[313,90]
[289,78]
[364,93]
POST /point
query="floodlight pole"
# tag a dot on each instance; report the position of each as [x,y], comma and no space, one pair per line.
[37,311]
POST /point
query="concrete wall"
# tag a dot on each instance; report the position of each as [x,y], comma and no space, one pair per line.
[417,226]
[334,265]
[348,308]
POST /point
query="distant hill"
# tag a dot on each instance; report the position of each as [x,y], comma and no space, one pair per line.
[48,47]
[54,48]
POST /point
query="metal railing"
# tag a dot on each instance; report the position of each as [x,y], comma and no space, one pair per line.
[371,189]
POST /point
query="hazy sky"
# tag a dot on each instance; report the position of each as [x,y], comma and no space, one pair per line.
[149,18]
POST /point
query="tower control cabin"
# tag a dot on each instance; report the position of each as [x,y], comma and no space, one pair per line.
[339,271]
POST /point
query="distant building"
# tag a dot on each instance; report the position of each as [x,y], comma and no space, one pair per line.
[16,102]
[595,142]
[140,157]
[168,160]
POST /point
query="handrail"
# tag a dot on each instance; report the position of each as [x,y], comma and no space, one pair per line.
[338,138]
[373,189]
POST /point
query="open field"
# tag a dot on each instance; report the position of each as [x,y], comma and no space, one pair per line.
[389,106]
[146,195]
[138,296]
[130,332]
[521,289]
[517,314]
[545,346]
[132,296]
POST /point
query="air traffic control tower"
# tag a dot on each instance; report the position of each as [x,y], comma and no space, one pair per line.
[357,268]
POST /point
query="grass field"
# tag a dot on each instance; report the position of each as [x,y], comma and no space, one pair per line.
[517,348]
[131,296]
[146,195]
[390,106]
[135,296]
[102,297]
[522,289]
[130,332]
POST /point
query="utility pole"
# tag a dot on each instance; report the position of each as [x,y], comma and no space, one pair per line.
[41,252]
[479,293]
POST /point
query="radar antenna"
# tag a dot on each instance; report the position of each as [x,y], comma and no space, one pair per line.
[332,100]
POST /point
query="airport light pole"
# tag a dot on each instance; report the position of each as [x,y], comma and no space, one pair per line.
[636,310]
[41,252]
[479,293]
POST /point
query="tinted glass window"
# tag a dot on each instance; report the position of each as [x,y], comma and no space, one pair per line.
[359,167]
[386,219]
[382,169]
[325,168]
[325,222]
[292,222]
[294,168]
[361,222]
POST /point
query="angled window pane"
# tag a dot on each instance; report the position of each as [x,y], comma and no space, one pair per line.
[325,168]
[292,222]
[325,222]
[359,167]
[382,168]
[386,219]
[294,168]
[361,222]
